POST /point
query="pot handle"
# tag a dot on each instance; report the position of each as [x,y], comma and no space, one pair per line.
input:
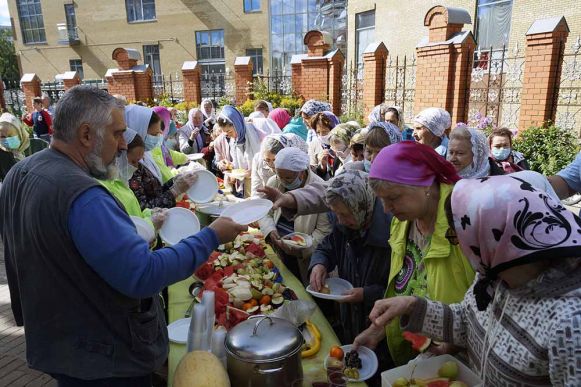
[259,321]
[258,370]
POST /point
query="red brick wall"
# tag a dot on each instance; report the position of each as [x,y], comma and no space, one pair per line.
[374,67]
[243,79]
[192,86]
[31,90]
[542,74]
[315,79]
[68,83]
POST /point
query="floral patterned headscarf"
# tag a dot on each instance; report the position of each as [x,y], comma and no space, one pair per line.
[352,188]
[344,132]
[503,222]
[312,107]
[480,167]
[390,129]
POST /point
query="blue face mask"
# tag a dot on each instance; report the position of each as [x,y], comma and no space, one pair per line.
[366,165]
[294,185]
[152,142]
[11,142]
[501,154]
[172,128]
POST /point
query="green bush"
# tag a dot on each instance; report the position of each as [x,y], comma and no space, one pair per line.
[247,107]
[548,148]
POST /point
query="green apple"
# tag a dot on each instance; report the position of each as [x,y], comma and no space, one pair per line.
[449,370]
[400,382]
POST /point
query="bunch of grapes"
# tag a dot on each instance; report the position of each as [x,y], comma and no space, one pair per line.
[352,360]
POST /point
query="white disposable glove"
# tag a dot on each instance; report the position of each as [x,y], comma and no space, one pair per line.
[183,182]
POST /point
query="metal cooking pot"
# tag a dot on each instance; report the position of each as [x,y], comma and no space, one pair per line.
[264,352]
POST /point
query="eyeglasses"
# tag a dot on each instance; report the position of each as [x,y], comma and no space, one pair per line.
[452,237]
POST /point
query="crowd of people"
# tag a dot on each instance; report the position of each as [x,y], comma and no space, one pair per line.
[442,231]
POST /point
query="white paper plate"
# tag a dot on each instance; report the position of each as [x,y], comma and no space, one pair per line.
[144,229]
[369,362]
[428,368]
[248,211]
[308,240]
[239,174]
[195,156]
[178,330]
[338,286]
[214,208]
[205,188]
[179,223]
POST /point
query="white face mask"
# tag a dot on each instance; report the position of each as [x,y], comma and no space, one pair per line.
[325,139]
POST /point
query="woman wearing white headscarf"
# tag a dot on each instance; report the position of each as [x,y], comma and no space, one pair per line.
[468,153]
[263,162]
[207,108]
[148,181]
[264,126]
[430,127]
[293,172]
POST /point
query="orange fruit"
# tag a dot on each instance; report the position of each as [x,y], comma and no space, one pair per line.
[336,352]
[247,306]
[265,300]
[253,302]
[268,264]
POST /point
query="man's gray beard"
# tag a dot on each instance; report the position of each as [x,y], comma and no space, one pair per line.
[97,167]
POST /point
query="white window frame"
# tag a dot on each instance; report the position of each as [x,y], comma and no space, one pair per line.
[139,3]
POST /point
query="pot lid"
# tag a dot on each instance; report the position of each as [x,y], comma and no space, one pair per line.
[263,339]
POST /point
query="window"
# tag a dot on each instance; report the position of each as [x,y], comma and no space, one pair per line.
[77,65]
[493,23]
[31,21]
[251,6]
[151,57]
[71,21]
[290,20]
[210,45]
[256,55]
[140,10]
[364,33]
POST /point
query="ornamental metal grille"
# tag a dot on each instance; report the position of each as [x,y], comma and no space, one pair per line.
[495,87]
[400,85]
[568,101]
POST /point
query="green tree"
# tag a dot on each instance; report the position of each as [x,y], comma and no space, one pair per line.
[8,62]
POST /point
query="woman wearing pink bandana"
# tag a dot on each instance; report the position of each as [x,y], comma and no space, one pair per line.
[413,183]
[521,320]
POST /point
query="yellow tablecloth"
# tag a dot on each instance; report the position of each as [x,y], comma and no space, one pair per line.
[313,367]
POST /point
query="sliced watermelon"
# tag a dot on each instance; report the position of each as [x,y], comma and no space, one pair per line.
[234,317]
[437,382]
[255,249]
[419,343]
[205,271]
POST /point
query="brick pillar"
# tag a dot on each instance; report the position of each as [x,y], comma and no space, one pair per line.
[318,74]
[2,101]
[191,82]
[336,63]
[30,84]
[296,68]
[243,76]
[374,67]
[545,43]
[130,80]
[71,79]
[444,62]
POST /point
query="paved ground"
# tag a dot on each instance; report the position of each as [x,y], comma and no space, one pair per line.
[13,368]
